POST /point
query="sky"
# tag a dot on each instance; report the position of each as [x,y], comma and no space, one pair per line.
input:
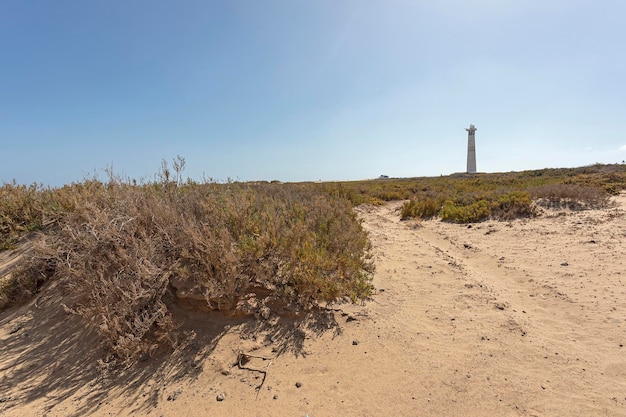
[296,90]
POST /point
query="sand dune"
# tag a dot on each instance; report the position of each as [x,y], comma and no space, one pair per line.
[521,318]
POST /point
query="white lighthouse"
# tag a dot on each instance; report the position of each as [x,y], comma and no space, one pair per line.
[471,150]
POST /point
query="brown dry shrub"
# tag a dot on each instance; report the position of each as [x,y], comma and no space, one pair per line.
[24,209]
[572,196]
[20,212]
[123,248]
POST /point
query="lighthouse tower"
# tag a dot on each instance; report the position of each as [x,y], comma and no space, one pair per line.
[471,150]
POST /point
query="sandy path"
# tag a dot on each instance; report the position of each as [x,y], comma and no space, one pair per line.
[501,319]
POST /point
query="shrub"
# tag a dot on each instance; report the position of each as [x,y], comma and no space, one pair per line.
[573,196]
[464,188]
[395,194]
[420,208]
[123,248]
[474,212]
[513,205]
[20,212]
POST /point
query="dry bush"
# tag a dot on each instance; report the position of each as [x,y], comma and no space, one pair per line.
[24,209]
[123,249]
[513,205]
[20,212]
[572,196]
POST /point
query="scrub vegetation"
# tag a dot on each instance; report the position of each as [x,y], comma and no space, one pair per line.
[465,198]
[125,250]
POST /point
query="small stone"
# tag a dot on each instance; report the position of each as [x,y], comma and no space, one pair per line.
[15,329]
[355,342]
[298,384]
[174,396]
[564,264]
[275,397]
[220,397]
[265,312]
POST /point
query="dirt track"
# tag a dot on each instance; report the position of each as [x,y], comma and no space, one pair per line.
[521,318]
[525,318]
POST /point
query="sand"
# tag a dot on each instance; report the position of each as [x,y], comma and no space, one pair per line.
[520,318]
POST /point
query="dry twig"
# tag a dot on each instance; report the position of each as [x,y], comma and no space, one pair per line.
[244,358]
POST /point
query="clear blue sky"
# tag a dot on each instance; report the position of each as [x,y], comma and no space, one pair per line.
[305,90]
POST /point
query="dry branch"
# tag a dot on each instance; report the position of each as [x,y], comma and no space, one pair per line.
[244,358]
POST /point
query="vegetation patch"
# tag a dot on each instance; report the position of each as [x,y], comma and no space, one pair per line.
[572,196]
[424,208]
[464,198]
[20,208]
[465,189]
[473,212]
[123,250]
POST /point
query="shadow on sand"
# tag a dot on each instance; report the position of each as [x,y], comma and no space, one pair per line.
[48,355]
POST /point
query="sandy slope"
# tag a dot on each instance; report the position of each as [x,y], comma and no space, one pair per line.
[525,318]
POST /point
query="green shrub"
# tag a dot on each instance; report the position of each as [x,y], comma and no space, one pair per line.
[420,208]
[465,189]
[513,205]
[475,212]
